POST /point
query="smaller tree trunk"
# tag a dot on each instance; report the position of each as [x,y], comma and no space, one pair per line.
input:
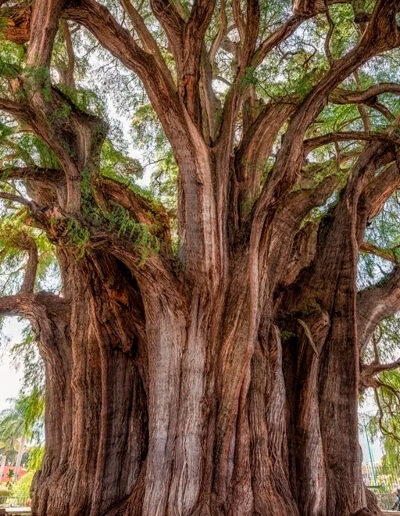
[2,465]
[19,457]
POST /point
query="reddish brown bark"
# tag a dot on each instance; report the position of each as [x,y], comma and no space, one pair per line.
[223,380]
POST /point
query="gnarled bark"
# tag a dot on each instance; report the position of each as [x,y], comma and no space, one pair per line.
[223,380]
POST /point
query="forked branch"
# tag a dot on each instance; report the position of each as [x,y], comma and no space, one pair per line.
[371,370]
[381,34]
[145,36]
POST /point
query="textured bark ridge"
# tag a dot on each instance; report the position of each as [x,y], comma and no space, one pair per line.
[223,380]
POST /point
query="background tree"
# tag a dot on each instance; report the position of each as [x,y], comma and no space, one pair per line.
[6,446]
[201,357]
[20,423]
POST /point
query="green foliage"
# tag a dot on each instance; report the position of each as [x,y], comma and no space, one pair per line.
[383,417]
[118,165]
[147,129]
[32,151]
[24,418]
[164,180]
[4,491]
[77,235]
[36,454]
[25,356]
[37,78]
[62,113]
[120,221]
[117,219]
[11,55]
[84,99]
[249,77]
[287,335]
[22,488]
[384,424]
[345,33]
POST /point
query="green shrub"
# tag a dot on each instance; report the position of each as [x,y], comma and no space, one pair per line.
[23,486]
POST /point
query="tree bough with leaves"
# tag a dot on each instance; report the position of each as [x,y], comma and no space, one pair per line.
[217,370]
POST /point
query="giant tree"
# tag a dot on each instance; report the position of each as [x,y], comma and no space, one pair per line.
[202,359]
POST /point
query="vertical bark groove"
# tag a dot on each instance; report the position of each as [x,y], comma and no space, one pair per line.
[223,379]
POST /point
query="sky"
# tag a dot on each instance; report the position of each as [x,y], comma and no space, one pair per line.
[10,377]
[374,452]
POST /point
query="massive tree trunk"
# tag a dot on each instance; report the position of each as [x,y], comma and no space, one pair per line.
[169,407]
[160,406]
[161,402]
[224,379]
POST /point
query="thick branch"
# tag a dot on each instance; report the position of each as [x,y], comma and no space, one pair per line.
[251,32]
[371,370]
[277,37]
[172,23]
[294,207]
[32,306]
[378,191]
[186,40]
[238,18]
[76,139]
[376,303]
[69,71]
[308,7]
[140,208]
[44,26]
[50,175]
[342,96]
[13,108]
[375,191]
[26,243]
[21,200]
[318,141]
[253,57]
[221,32]
[256,147]
[386,254]
[45,186]
[159,86]
[145,36]
[193,46]
[192,155]
[368,379]
[18,23]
